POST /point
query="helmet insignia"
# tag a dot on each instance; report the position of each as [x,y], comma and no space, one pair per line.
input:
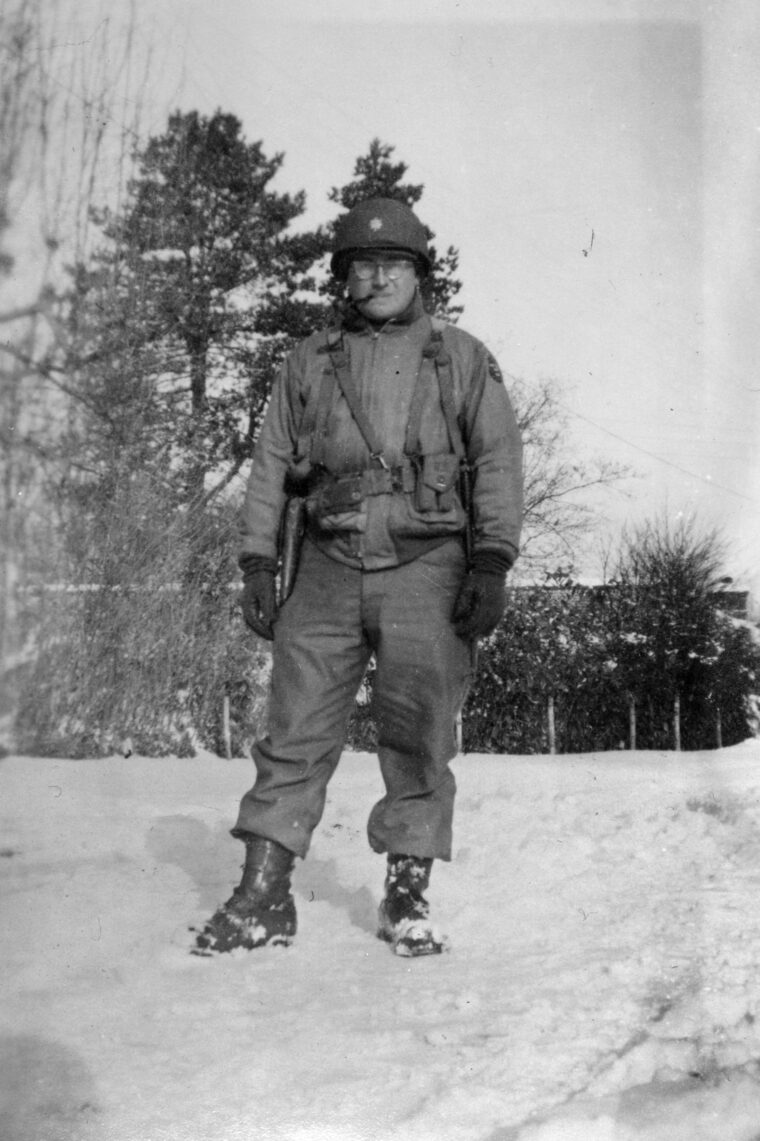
[379,224]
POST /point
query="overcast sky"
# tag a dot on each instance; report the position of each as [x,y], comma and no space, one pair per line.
[595,163]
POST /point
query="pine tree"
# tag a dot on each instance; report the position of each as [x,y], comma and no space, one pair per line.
[164,318]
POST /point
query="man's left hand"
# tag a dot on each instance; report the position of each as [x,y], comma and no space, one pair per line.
[482,597]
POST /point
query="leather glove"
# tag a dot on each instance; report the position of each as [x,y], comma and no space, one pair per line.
[259,600]
[482,598]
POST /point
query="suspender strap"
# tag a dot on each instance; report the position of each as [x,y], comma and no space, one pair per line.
[317,429]
[312,429]
[339,359]
[446,391]
[434,352]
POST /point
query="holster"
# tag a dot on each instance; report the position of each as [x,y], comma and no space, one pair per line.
[292,530]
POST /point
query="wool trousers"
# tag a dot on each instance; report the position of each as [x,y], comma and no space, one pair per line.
[325,635]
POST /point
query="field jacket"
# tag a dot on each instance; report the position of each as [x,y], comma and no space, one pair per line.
[376,514]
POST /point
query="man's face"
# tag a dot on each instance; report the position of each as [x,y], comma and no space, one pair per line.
[382,285]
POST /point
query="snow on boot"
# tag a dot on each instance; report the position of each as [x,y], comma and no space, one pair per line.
[261,910]
[404,914]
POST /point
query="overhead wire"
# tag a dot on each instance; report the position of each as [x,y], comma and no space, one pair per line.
[655,456]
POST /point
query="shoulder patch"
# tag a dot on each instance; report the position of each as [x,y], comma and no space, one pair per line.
[494,371]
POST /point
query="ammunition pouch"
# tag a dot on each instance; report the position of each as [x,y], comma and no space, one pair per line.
[436,482]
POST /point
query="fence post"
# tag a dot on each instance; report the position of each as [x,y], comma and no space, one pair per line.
[226,727]
[632,721]
[460,734]
[718,729]
[552,735]
[677,721]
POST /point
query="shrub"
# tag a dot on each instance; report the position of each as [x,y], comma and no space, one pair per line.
[141,652]
[652,637]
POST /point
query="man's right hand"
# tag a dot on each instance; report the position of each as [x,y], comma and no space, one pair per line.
[259,600]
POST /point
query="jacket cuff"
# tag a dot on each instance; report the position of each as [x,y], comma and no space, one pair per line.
[489,561]
[250,564]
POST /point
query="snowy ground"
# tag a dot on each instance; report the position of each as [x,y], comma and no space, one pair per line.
[602,983]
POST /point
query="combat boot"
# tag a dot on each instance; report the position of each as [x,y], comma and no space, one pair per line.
[261,910]
[404,915]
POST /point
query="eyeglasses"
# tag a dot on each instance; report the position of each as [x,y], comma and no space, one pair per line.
[364,268]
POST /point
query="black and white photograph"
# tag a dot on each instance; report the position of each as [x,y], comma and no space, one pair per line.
[380,570]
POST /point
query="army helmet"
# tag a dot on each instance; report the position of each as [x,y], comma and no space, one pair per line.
[379,224]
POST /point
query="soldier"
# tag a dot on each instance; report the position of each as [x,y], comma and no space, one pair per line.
[376,418]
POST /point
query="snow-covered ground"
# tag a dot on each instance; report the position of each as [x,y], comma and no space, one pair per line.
[602,983]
